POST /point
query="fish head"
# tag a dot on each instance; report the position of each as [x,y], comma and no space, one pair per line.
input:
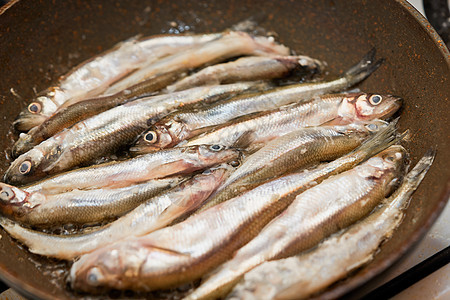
[364,107]
[14,202]
[390,167]
[160,136]
[122,265]
[93,272]
[35,113]
[25,168]
[214,154]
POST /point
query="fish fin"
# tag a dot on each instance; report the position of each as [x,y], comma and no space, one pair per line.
[166,250]
[244,140]
[199,131]
[333,122]
[366,66]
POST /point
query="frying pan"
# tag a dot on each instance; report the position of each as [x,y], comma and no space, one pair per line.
[41,40]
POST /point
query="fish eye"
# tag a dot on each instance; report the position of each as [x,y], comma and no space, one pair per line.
[234,163]
[94,276]
[34,108]
[151,137]
[375,99]
[25,167]
[372,127]
[216,147]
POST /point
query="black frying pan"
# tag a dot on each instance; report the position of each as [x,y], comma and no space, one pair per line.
[41,40]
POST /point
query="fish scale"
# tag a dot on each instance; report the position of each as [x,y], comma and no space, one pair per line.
[108,67]
[330,109]
[79,206]
[106,132]
[152,214]
[300,276]
[293,151]
[138,169]
[188,123]
[250,68]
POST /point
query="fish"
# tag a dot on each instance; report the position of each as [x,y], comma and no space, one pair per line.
[65,117]
[186,124]
[332,109]
[292,152]
[117,174]
[301,276]
[186,251]
[93,77]
[41,210]
[335,203]
[106,133]
[250,68]
[149,216]
[228,45]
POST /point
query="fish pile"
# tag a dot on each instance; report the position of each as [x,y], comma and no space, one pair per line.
[222,157]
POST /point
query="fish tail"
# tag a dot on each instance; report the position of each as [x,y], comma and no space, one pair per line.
[416,175]
[366,66]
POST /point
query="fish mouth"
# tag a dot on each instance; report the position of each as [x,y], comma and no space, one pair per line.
[393,109]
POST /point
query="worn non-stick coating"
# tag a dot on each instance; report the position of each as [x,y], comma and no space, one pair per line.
[41,40]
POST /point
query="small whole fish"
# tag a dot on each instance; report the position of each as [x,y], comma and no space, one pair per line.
[106,133]
[118,174]
[186,124]
[248,69]
[67,116]
[229,44]
[155,213]
[333,109]
[94,76]
[187,250]
[82,207]
[301,276]
[292,152]
[315,214]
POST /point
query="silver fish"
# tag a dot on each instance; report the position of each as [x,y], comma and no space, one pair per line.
[82,207]
[186,124]
[250,68]
[315,214]
[93,77]
[301,276]
[105,133]
[292,152]
[334,109]
[151,215]
[189,249]
[138,169]
[67,116]
[229,44]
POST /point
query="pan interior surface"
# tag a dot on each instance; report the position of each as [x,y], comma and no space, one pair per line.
[41,40]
